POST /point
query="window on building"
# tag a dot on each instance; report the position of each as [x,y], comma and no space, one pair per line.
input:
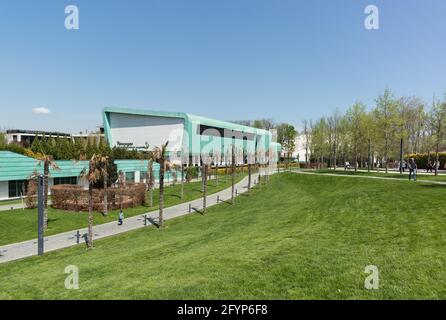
[17,188]
[130,177]
[212,131]
[143,175]
[65,180]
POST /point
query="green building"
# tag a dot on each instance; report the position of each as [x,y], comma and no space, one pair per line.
[186,133]
[16,169]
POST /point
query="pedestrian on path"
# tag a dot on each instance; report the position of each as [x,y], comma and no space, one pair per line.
[430,167]
[412,169]
[120,218]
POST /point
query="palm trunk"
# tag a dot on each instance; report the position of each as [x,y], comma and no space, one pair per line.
[182,181]
[90,210]
[105,194]
[249,176]
[203,177]
[216,174]
[151,183]
[161,194]
[205,167]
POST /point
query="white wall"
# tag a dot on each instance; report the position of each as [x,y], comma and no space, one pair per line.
[4,190]
[140,129]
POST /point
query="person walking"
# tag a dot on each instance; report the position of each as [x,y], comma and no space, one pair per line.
[120,218]
[412,169]
[430,167]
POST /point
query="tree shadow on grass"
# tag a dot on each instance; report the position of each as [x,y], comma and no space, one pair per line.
[432,185]
[198,211]
[153,222]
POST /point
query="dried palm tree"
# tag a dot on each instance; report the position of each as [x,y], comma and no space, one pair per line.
[159,156]
[92,176]
[104,162]
[48,163]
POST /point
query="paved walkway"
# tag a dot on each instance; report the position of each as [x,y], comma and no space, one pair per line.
[14,206]
[368,177]
[67,239]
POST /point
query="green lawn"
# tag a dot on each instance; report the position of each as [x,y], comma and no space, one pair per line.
[422,175]
[300,237]
[20,225]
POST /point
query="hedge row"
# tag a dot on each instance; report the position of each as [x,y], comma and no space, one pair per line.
[75,198]
[422,159]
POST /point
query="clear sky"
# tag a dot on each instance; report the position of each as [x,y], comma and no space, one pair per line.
[228,59]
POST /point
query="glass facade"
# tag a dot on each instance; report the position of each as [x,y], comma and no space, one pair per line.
[17,188]
[130,177]
[65,180]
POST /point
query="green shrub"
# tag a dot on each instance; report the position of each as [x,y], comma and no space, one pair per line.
[191,173]
[422,159]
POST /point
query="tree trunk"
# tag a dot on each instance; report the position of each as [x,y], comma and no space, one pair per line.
[437,164]
[205,169]
[216,173]
[369,157]
[203,177]
[90,210]
[161,194]
[182,181]
[151,183]
[401,156]
[249,176]
[105,194]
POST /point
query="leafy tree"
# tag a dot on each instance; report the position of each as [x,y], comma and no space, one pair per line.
[386,114]
[286,136]
[438,117]
[355,117]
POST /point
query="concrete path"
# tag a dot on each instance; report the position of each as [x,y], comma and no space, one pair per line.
[368,177]
[14,206]
[67,239]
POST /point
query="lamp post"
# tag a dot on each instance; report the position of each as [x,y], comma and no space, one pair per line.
[40,215]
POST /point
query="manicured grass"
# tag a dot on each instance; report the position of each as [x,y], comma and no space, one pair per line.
[20,225]
[300,237]
[421,175]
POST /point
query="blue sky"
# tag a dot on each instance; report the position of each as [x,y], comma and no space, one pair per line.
[234,59]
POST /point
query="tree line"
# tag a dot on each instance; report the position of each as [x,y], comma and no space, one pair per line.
[394,129]
[62,148]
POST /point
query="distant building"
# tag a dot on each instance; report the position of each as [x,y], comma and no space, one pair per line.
[26,137]
[299,151]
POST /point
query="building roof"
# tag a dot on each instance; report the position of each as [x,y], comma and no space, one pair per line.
[188,117]
[14,166]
